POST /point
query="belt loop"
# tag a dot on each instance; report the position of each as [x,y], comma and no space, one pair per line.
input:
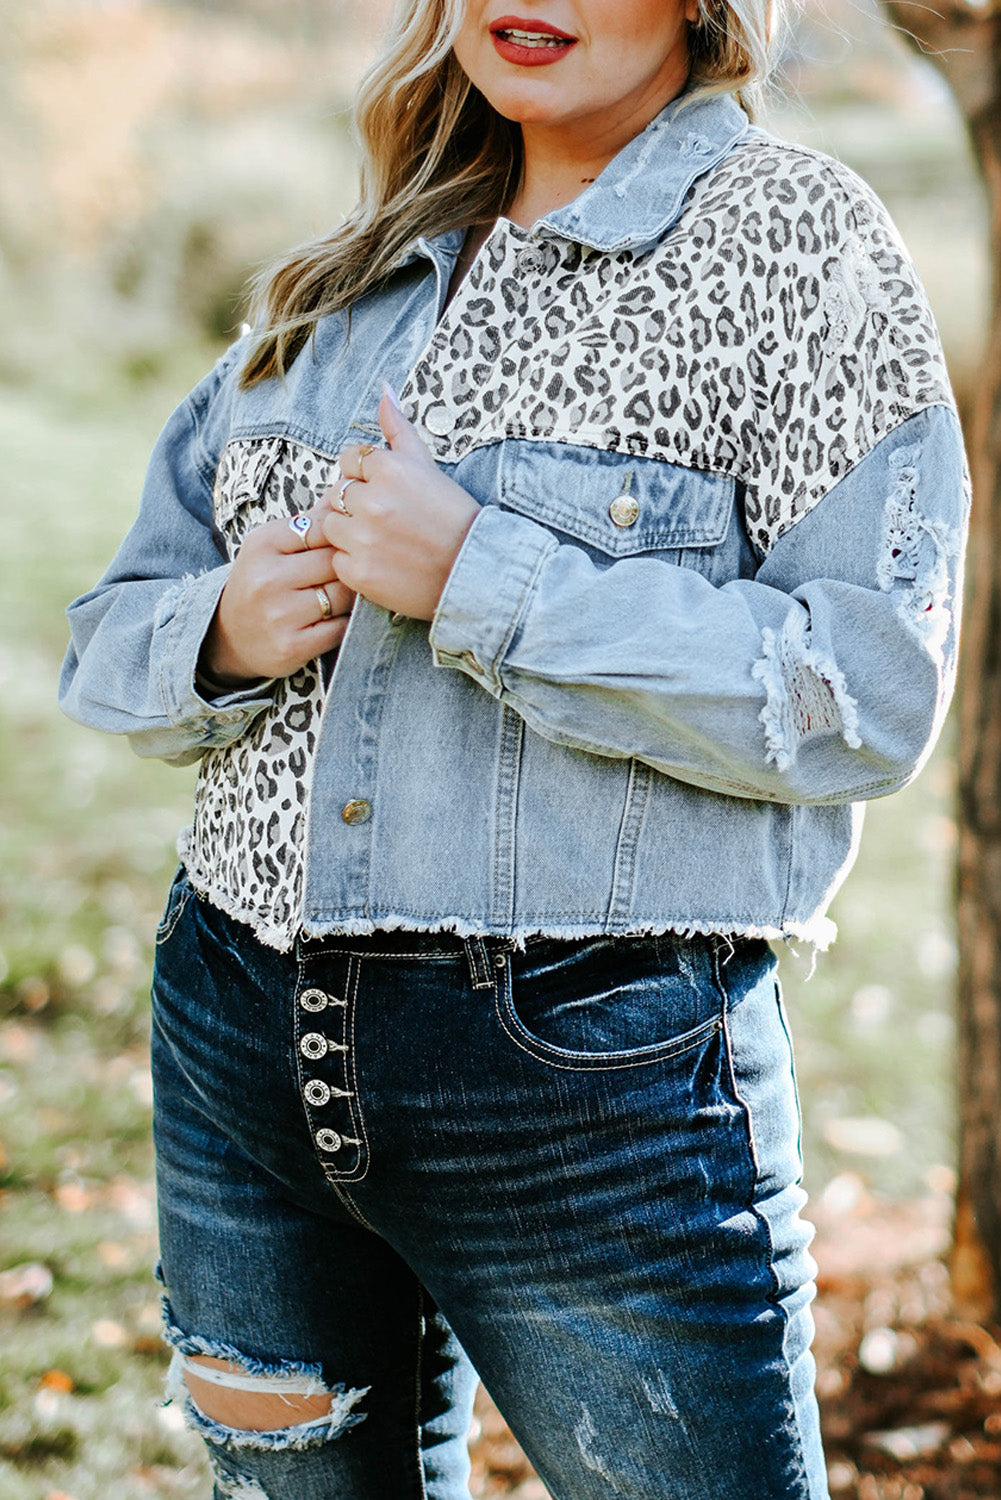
[478,960]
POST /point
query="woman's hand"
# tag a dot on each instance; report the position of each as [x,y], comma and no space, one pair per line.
[404,520]
[270,617]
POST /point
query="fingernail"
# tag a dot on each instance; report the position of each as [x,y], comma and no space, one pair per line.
[387,390]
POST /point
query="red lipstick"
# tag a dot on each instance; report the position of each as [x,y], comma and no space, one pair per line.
[530,44]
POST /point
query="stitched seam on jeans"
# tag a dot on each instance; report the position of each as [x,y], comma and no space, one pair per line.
[774,1300]
[602,1062]
[357,1115]
[419,1374]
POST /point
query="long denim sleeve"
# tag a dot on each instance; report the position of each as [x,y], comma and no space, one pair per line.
[136,636]
[822,679]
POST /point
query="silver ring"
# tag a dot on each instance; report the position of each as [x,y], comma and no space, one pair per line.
[323,600]
[300,524]
[339,502]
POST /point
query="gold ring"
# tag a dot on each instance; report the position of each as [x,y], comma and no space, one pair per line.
[363,453]
[323,600]
[339,502]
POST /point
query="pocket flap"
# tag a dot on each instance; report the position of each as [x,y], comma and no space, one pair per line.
[613,501]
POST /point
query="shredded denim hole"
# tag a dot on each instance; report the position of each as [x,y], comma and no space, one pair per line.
[915,560]
[294,1438]
[339,1419]
[805,695]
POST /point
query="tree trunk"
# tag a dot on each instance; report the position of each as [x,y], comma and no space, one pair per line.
[964,43]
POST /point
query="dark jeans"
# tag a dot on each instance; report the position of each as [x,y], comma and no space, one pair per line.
[580,1160]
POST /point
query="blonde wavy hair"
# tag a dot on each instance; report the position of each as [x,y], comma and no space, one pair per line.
[436,156]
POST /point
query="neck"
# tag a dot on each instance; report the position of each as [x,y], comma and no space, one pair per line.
[559,162]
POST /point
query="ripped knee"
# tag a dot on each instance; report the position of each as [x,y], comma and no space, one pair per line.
[235,1403]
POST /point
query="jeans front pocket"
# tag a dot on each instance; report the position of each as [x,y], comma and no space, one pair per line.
[180,893]
[611,1002]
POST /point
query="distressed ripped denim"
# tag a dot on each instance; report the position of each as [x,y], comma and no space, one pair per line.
[389,1163]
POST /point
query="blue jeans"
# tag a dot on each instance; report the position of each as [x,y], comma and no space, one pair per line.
[386,1162]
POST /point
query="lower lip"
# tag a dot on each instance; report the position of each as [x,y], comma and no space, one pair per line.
[530,57]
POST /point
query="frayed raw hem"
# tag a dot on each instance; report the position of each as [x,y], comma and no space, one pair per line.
[818,932]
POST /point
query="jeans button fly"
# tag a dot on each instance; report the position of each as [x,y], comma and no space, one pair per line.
[313,1000]
[328,1140]
[313,1045]
[316,1092]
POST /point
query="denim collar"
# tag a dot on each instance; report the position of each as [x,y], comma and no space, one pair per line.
[639,195]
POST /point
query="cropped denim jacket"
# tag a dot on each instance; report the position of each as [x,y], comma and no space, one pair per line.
[708,607]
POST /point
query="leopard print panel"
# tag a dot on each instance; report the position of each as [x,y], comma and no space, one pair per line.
[774,336]
[244,849]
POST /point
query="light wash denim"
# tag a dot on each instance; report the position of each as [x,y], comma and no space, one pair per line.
[606,730]
[385,1160]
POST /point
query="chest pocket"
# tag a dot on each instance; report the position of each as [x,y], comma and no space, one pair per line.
[261,479]
[616,506]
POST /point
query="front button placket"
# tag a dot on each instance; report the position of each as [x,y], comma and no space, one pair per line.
[327,1076]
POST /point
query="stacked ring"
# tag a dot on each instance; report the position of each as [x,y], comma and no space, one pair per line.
[363,453]
[339,502]
[323,600]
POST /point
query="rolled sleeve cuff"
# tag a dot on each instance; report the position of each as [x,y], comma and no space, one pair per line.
[185,617]
[487,593]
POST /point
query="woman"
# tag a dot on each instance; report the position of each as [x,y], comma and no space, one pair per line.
[466,1025]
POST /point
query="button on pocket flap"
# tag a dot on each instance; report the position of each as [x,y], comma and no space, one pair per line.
[615,502]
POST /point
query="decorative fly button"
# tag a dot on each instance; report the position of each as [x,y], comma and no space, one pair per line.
[314,1046]
[328,1140]
[624,509]
[316,1092]
[313,1000]
[357,811]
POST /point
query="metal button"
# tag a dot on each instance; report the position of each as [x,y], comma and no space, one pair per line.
[313,1000]
[328,1140]
[529,260]
[440,419]
[316,1092]
[624,510]
[358,811]
[313,1045]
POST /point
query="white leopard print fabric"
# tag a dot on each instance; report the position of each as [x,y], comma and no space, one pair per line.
[244,848]
[774,336]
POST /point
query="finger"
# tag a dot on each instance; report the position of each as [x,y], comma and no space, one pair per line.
[401,435]
[324,635]
[357,461]
[299,533]
[336,532]
[307,607]
[305,570]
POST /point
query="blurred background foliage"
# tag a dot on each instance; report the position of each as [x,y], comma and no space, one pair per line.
[153,153]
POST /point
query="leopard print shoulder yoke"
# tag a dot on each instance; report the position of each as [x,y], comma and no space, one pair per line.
[773,336]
